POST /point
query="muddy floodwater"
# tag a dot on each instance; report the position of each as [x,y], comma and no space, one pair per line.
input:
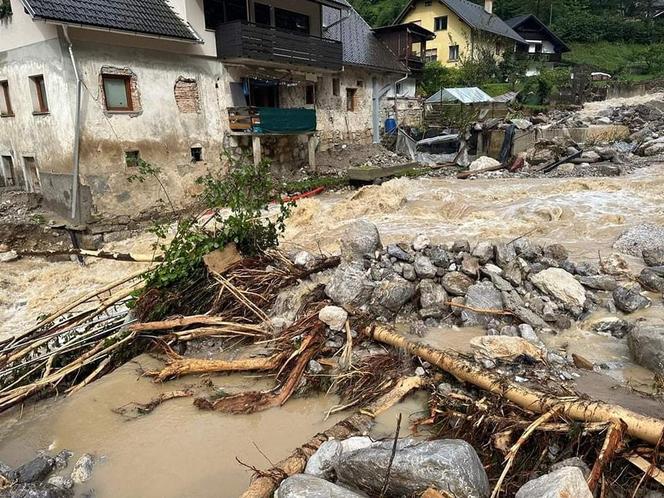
[180,451]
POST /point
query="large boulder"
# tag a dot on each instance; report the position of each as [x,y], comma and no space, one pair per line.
[483,296]
[560,284]
[598,282]
[36,490]
[654,256]
[349,285]
[433,299]
[651,280]
[82,471]
[639,238]
[629,299]
[308,486]
[321,464]
[35,470]
[646,345]
[449,464]
[567,482]
[392,293]
[359,238]
[483,162]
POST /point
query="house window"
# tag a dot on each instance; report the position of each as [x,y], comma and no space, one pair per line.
[440,23]
[5,101]
[431,55]
[454,53]
[220,11]
[38,91]
[291,21]
[196,154]
[262,14]
[117,92]
[187,97]
[132,158]
[350,99]
[336,87]
[310,94]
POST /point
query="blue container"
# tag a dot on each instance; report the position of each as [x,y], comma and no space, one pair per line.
[390,126]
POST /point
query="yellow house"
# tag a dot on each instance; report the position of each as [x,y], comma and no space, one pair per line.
[461,27]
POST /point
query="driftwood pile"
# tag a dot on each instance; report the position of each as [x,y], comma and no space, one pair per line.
[512,426]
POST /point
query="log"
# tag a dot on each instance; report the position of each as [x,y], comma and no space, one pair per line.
[639,426]
[178,367]
[612,444]
[187,321]
[117,256]
[359,423]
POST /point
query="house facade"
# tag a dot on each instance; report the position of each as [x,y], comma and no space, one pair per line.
[542,47]
[89,89]
[461,27]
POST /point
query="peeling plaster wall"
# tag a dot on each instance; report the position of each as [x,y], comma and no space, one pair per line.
[161,132]
[18,30]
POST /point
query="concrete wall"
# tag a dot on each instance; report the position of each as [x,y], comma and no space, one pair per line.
[18,30]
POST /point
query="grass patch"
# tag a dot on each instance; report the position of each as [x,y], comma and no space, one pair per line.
[496,89]
[625,61]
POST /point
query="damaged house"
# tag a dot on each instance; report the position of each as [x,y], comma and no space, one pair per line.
[89,89]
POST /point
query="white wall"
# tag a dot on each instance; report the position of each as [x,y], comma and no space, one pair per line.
[18,30]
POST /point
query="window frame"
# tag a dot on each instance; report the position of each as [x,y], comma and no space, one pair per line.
[127,81]
[40,91]
[438,19]
[351,96]
[458,53]
[336,87]
[4,85]
[430,55]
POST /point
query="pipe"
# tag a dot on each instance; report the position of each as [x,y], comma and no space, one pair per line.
[75,201]
[377,96]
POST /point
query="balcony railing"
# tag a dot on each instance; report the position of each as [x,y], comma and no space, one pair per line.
[241,41]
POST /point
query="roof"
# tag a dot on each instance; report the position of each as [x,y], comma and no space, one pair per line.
[146,17]
[470,95]
[516,22]
[360,45]
[411,26]
[474,16]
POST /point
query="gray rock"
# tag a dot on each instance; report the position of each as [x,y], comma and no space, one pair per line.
[408,272]
[61,482]
[321,464]
[433,299]
[504,253]
[36,490]
[461,246]
[566,482]
[82,471]
[314,367]
[304,259]
[355,443]
[562,285]
[452,465]
[613,326]
[651,280]
[629,299]
[654,256]
[587,268]
[557,252]
[359,238]
[439,256]
[500,283]
[456,283]
[608,169]
[393,293]
[526,249]
[572,462]
[590,156]
[529,317]
[424,268]
[5,470]
[521,124]
[484,252]
[527,332]
[598,282]
[349,285]
[482,295]
[512,273]
[646,345]
[636,239]
[470,265]
[333,316]
[308,486]
[394,251]
[62,459]
[509,331]
[35,470]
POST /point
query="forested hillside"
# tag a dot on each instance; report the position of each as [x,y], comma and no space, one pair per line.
[573,20]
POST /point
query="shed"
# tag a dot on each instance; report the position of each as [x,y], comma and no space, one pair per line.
[470,95]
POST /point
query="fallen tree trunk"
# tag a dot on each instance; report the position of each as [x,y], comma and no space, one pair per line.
[639,426]
[267,482]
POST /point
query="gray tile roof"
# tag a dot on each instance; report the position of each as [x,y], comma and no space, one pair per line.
[360,45]
[476,17]
[150,17]
[517,21]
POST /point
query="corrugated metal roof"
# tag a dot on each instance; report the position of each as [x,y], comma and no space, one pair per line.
[468,95]
[360,45]
[150,17]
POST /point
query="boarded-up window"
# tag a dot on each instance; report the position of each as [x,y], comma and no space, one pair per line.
[186,95]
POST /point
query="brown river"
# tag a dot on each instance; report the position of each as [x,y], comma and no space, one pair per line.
[179,451]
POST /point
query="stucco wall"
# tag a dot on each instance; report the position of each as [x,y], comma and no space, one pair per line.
[457,33]
[18,30]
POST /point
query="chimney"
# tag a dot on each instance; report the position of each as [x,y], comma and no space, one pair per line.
[488,6]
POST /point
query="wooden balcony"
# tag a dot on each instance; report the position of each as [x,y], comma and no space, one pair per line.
[244,42]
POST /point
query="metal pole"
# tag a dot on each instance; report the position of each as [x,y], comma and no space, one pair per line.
[77,134]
